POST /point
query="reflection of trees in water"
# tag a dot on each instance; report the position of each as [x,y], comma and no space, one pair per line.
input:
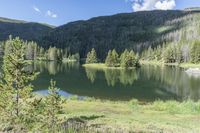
[70,65]
[174,79]
[114,76]
[123,76]
[127,77]
[91,74]
[111,76]
[53,67]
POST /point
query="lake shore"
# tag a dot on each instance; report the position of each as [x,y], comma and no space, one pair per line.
[45,60]
[170,116]
[101,66]
[182,65]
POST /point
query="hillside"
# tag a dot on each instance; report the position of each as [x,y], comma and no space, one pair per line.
[192,9]
[137,31]
[23,29]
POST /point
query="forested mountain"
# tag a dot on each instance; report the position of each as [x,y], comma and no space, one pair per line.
[23,29]
[137,31]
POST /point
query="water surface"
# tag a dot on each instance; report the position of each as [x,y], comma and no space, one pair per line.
[147,83]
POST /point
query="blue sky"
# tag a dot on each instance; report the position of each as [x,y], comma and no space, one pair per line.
[58,12]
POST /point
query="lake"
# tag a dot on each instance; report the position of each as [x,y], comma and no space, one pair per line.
[147,83]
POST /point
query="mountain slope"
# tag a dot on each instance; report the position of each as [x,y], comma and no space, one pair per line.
[23,29]
[136,31]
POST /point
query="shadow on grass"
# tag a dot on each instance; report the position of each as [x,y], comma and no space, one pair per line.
[93,117]
[80,123]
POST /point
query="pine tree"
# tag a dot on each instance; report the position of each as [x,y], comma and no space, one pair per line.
[115,58]
[158,53]
[123,58]
[8,46]
[75,57]
[194,52]
[108,60]
[66,53]
[169,55]
[52,54]
[59,54]
[1,49]
[91,57]
[53,106]
[137,60]
[15,90]
[178,54]
[129,59]
[150,54]
[112,59]
[35,51]
[30,51]
[41,53]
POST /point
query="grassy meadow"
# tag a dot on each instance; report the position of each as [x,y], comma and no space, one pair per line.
[133,116]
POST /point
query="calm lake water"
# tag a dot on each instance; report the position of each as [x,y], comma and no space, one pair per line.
[147,83]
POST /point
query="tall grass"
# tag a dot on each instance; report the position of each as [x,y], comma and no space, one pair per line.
[186,107]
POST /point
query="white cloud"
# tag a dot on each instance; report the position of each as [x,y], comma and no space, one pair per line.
[165,5]
[36,9]
[142,5]
[51,14]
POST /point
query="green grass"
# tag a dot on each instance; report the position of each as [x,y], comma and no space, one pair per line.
[100,66]
[170,116]
[182,65]
[143,62]
[189,65]
[65,60]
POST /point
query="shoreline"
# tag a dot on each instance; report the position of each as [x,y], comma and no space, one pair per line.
[182,65]
[142,62]
[102,66]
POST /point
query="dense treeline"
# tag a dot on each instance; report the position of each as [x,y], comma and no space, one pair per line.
[1,49]
[174,53]
[91,57]
[133,31]
[35,52]
[126,60]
